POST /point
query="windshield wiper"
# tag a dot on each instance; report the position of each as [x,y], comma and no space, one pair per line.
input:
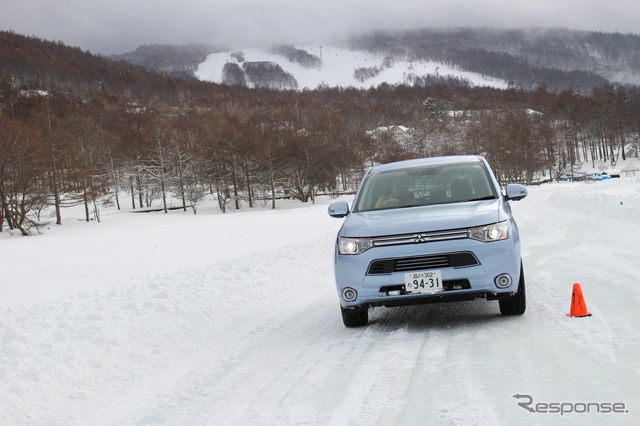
[488,197]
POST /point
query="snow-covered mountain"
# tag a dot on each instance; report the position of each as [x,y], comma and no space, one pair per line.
[557,59]
[175,60]
[310,67]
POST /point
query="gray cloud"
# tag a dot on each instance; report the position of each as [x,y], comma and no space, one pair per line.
[122,25]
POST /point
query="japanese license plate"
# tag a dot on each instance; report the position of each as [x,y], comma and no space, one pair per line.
[423,281]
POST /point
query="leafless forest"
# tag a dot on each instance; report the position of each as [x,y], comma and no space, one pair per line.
[76,128]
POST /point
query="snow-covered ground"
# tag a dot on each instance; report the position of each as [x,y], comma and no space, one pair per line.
[338,66]
[176,319]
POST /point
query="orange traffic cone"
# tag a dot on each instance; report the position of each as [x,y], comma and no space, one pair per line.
[578,307]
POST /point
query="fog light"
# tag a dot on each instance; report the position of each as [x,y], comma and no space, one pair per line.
[503,281]
[349,294]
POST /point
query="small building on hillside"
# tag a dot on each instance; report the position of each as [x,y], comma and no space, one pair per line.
[400,134]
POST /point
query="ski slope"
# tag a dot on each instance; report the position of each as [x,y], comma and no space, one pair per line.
[212,319]
[338,66]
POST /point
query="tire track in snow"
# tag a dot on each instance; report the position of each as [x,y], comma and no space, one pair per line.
[237,347]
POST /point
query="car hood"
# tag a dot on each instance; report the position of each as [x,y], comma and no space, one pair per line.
[423,218]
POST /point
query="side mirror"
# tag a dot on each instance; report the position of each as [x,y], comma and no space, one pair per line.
[516,192]
[338,209]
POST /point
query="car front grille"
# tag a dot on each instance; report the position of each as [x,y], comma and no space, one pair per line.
[436,261]
[422,237]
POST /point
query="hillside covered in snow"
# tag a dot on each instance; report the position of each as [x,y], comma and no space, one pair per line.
[553,58]
[329,66]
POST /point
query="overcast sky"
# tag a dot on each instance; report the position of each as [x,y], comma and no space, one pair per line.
[118,26]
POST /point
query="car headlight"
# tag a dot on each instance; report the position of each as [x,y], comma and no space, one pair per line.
[353,245]
[494,232]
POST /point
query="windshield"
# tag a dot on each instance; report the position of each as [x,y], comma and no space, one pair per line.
[421,186]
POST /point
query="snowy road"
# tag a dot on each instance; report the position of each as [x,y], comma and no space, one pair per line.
[254,337]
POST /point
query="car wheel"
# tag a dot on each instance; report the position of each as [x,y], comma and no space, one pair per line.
[355,317]
[516,304]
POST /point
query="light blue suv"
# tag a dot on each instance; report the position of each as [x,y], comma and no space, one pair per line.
[428,230]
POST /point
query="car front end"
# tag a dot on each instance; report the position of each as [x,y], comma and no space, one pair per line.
[425,231]
[469,262]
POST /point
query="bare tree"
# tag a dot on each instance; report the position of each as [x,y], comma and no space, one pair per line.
[22,168]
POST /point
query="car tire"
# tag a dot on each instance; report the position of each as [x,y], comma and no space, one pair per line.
[355,317]
[516,304]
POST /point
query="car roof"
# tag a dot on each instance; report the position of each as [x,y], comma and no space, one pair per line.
[430,161]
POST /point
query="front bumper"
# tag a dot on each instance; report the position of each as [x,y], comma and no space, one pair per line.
[460,282]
